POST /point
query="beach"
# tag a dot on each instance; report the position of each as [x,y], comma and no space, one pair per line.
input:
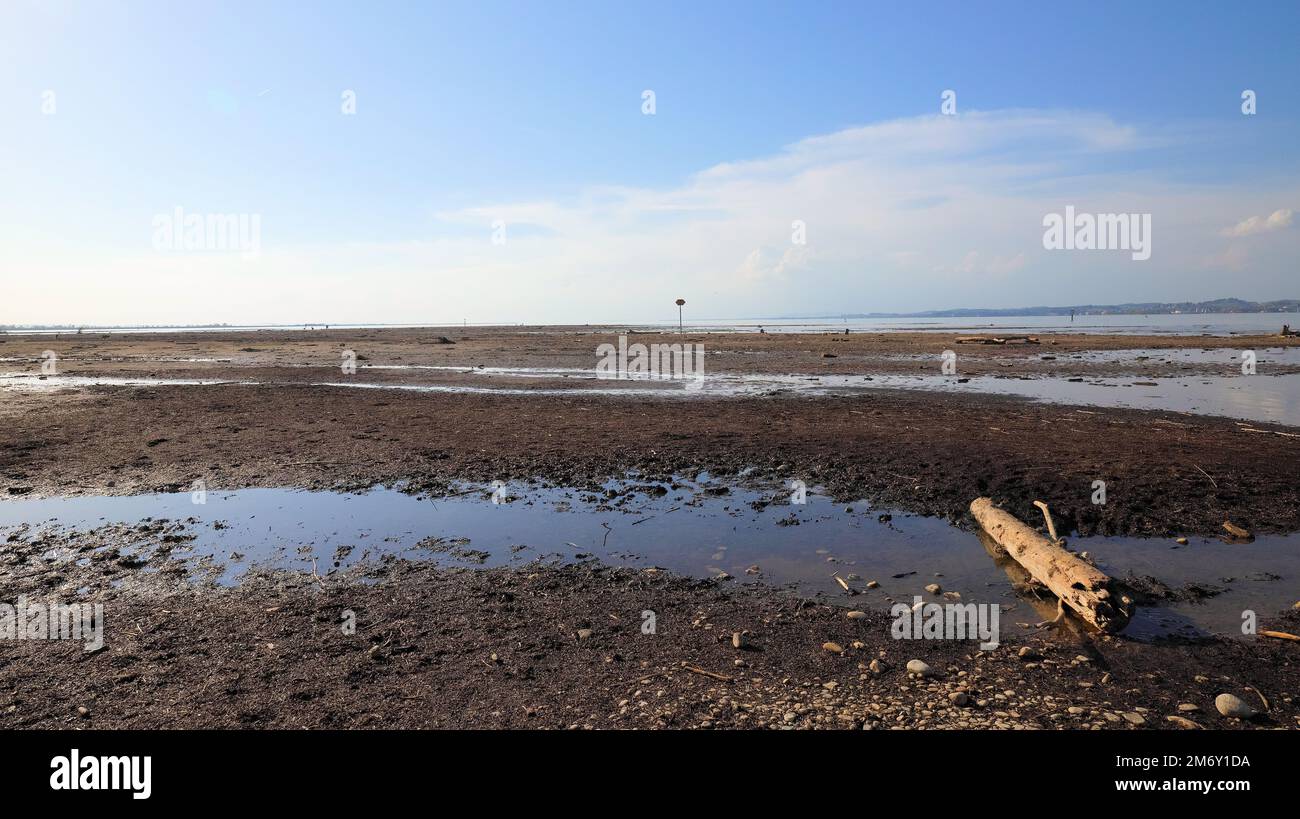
[892,433]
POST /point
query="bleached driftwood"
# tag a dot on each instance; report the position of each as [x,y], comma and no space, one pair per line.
[995,339]
[1081,586]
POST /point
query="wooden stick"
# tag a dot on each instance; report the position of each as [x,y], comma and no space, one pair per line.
[1280,635]
[1047,516]
[1081,586]
[714,675]
[1207,474]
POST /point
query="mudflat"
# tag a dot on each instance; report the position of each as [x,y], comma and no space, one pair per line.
[444,647]
[1166,473]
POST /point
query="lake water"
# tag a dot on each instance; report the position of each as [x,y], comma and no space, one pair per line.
[1182,324]
[1187,324]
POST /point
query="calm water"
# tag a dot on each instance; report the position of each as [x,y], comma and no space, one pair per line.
[686,531]
[1184,324]
[1259,398]
[1187,324]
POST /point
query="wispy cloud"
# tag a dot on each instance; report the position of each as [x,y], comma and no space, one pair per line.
[1276,220]
[907,214]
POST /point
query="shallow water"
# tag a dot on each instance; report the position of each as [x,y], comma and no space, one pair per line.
[1215,324]
[1262,398]
[42,383]
[1180,324]
[686,531]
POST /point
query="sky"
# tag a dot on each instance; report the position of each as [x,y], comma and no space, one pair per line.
[503,162]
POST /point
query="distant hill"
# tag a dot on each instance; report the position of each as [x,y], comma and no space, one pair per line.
[1140,309]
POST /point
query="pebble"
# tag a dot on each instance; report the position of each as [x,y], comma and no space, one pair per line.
[1135,718]
[871,584]
[919,667]
[877,666]
[1182,541]
[834,648]
[83,712]
[1230,705]
[1186,707]
[584,633]
[1182,722]
[856,615]
[1027,653]
[959,698]
[934,588]
[739,640]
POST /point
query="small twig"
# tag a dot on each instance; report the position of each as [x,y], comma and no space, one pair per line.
[1206,474]
[319,579]
[713,674]
[1261,696]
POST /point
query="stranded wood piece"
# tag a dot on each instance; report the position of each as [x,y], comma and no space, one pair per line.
[1081,586]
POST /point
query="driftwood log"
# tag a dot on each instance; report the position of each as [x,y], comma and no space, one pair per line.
[1084,588]
[995,339]
[1026,587]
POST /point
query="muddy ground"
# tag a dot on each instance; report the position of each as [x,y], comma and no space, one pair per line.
[1166,474]
[564,647]
[302,356]
[270,653]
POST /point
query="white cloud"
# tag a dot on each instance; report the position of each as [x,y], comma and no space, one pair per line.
[910,214]
[1276,220]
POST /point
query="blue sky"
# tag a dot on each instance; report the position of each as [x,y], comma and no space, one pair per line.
[530,115]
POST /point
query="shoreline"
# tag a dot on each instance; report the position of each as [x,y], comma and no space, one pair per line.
[500,647]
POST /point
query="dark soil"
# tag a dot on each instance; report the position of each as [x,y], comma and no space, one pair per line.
[507,648]
[1165,473]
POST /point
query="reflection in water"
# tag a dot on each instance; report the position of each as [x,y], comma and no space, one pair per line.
[1261,397]
[687,530]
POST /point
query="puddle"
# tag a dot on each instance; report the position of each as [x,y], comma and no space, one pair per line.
[688,530]
[1261,397]
[1229,357]
[41,383]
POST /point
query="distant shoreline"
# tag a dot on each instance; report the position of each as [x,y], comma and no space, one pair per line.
[1203,308]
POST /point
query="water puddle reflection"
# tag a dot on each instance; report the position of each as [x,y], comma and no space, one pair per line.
[693,527]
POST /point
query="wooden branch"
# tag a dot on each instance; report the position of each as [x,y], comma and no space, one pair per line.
[995,339]
[1280,635]
[697,670]
[1083,587]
